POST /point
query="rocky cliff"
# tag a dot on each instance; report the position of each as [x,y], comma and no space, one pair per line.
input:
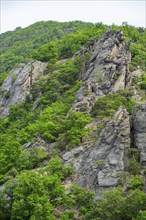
[101,159]
[108,70]
[18,84]
[101,163]
[139,130]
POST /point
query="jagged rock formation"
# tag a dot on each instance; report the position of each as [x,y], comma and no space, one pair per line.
[139,130]
[17,85]
[102,163]
[99,163]
[108,70]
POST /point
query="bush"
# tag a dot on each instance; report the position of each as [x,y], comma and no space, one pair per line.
[134,153]
[75,127]
[136,183]
[106,106]
[133,166]
[133,163]
[84,199]
[141,215]
[3,77]
[143,83]
[56,166]
[47,53]
[35,194]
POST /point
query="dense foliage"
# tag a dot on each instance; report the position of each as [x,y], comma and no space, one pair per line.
[106,106]
[40,38]
[51,39]
[37,192]
[40,194]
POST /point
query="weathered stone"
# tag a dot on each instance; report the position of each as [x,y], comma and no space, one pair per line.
[74,157]
[137,72]
[107,179]
[108,71]
[102,163]
[18,84]
[39,144]
[103,157]
[139,130]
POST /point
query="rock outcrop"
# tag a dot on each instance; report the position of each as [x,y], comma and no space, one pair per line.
[100,161]
[102,164]
[17,85]
[139,130]
[108,70]
[103,161]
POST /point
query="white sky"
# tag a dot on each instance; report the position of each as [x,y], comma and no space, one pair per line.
[25,12]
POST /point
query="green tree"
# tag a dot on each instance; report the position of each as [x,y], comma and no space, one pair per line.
[47,53]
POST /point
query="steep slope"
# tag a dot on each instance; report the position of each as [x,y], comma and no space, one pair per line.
[108,71]
[82,111]
[18,84]
[100,163]
[18,46]
[139,131]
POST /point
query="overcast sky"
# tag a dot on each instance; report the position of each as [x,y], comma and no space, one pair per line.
[23,13]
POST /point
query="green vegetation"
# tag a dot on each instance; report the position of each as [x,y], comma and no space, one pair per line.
[36,194]
[117,205]
[32,191]
[40,194]
[143,82]
[136,183]
[106,106]
[2,77]
[45,41]
[137,36]
[50,40]
[140,82]
[48,121]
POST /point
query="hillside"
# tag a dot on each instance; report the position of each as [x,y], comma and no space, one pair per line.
[73,122]
[18,46]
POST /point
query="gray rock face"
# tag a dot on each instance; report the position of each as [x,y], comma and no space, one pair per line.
[137,72]
[17,85]
[139,130]
[102,163]
[108,70]
[39,143]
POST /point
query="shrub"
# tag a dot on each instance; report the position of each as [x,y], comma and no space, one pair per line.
[136,183]
[133,166]
[134,153]
[107,105]
[75,127]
